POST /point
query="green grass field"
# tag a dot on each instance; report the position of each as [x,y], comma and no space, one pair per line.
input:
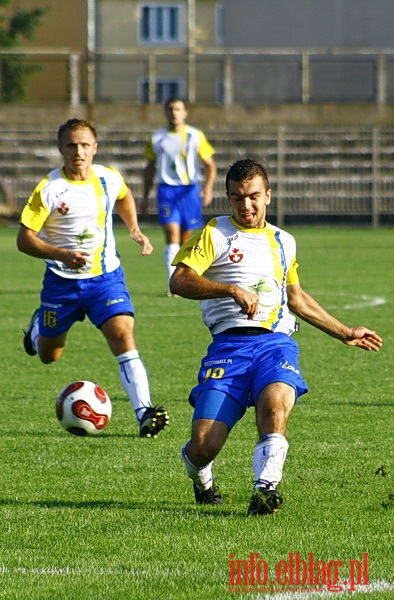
[113,516]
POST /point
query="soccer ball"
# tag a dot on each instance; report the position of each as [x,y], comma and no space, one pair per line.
[83,407]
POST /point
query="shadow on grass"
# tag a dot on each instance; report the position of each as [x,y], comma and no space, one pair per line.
[98,436]
[108,504]
[360,404]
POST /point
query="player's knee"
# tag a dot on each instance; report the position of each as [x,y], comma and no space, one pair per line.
[47,360]
[206,448]
[273,419]
[49,357]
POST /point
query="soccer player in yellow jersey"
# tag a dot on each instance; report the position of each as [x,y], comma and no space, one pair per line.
[174,156]
[67,221]
[244,272]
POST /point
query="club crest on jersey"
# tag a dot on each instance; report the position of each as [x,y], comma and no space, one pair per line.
[63,208]
[236,255]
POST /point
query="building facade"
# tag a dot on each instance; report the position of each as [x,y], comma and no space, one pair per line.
[229,52]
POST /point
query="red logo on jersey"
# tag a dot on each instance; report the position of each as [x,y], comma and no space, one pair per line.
[63,208]
[236,255]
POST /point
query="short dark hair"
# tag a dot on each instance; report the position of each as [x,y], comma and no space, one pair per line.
[245,169]
[175,99]
[73,125]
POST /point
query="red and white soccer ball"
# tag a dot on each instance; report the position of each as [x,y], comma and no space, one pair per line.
[83,407]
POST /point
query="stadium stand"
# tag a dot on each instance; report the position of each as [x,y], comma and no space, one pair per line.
[318,175]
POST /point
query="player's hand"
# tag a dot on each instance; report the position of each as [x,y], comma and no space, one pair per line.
[74,259]
[364,338]
[248,301]
[143,241]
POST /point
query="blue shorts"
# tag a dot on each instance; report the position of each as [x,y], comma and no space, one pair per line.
[65,301]
[237,368]
[180,204]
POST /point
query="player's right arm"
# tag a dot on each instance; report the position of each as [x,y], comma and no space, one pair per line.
[33,218]
[29,243]
[193,260]
[187,283]
[148,176]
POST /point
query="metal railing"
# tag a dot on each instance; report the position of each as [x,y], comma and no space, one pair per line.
[82,66]
[345,175]
[318,174]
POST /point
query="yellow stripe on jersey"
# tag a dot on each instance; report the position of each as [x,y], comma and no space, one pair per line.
[101,215]
[278,270]
[181,167]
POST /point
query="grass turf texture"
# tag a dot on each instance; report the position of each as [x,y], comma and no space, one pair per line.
[113,516]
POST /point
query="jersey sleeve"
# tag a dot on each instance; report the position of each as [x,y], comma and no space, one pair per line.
[123,186]
[199,252]
[149,152]
[35,212]
[120,182]
[292,274]
[205,149]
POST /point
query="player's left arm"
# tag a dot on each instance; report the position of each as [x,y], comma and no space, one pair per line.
[126,209]
[307,308]
[209,180]
[205,155]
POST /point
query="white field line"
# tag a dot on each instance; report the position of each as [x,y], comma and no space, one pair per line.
[53,571]
[372,588]
[350,302]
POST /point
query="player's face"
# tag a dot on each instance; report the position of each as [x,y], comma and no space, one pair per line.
[78,149]
[176,114]
[248,201]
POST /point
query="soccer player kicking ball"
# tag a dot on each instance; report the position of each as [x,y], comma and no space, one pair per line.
[67,221]
[244,272]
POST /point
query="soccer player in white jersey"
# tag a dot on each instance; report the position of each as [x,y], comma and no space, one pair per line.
[244,272]
[174,156]
[67,221]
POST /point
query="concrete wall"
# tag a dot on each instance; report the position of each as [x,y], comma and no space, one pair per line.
[308,23]
[241,118]
[311,24]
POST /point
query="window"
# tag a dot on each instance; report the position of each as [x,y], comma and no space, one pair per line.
[164,90]
[161,23]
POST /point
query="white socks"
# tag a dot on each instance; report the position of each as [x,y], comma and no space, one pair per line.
[134,380]
[170,251]
[34,335]
[201,476]
[268,460]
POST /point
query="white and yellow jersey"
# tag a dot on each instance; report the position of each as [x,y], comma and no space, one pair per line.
[77,215]
[260,260]
[177,155]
